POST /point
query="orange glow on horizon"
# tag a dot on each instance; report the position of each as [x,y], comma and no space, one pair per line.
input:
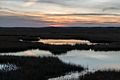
[57,25]
[89,19]
[61,21]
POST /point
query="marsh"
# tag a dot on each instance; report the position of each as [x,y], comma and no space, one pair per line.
[73,52]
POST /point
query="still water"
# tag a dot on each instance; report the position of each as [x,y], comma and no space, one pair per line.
[93,60]
[8,67]
[65,42]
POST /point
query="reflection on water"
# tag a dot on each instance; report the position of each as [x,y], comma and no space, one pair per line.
[72,76]
[30,53]
[64,41]
[90,59]
[93,60]
[8,67]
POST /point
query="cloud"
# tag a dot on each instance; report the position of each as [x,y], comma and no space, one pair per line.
[68,3]
[84,3]
[85,14]
[70,6]
[58,12]
[29,3]
[111,8]
[97,5]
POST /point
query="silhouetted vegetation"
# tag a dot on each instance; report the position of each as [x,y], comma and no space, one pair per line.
[102,75]
[36,68]
[93,34]
[10,38]
[55,49]
[28,38]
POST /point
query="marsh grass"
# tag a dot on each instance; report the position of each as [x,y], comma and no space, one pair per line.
[36,68]
[102,75]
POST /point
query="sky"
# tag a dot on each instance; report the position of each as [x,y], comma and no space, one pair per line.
[59,13]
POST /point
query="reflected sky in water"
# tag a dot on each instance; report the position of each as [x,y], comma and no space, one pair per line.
[8,67]
[91,59]
[30,53]
[65,41]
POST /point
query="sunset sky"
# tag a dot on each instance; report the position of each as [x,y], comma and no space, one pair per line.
[59,13]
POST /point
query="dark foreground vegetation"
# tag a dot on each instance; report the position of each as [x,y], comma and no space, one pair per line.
[36,68]
[102,75]
[10,39]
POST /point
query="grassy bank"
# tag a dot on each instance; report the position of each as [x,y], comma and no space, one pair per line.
[15,46]
[102,75]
